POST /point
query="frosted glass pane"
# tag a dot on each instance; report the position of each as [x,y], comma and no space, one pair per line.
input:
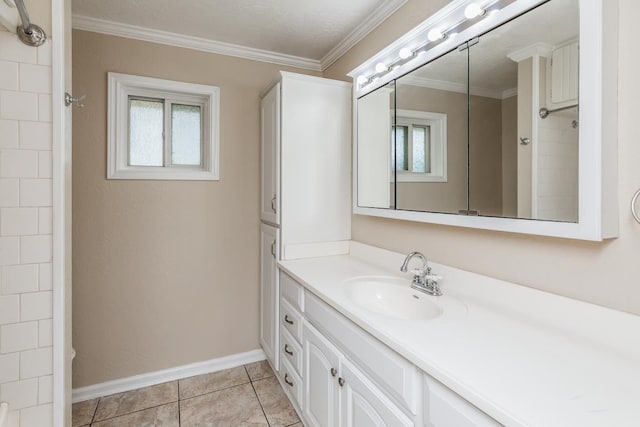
[186,131]
[401,144]
[145,132]
[419,149]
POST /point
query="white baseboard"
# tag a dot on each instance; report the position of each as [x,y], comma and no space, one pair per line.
[151,378]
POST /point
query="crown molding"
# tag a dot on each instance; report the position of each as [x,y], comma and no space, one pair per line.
[96,25]
[457,87]
[536,49]
[369,24]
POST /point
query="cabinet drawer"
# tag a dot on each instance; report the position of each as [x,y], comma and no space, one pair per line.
[291,350]
[291,319]
[292,291]
[398,377]
[292,382]
[444,408]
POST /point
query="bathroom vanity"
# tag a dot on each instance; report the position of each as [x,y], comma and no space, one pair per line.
[486,353]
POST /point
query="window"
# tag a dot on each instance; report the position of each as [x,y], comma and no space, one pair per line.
[420,146]
[162,129]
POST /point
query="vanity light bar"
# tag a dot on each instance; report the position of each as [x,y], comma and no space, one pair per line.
[473,12]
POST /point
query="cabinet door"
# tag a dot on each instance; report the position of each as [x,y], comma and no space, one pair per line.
[269,315]
[364,405]
[321,372]
[270,156]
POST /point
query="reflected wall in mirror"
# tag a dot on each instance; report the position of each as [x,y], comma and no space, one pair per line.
[432,100]
[374,156]
[531,169]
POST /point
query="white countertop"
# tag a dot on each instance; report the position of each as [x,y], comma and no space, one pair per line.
[524,357]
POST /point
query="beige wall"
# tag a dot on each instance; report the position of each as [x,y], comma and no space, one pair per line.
[485,144]
[165,272]
[447,196]
[604,273]
[485,155]
[509,156]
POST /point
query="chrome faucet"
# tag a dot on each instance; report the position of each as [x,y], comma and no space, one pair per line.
[423,280]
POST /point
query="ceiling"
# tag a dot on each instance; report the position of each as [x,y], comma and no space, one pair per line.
[302,28]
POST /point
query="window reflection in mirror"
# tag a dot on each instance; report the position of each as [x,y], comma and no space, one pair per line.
[375,157]
[431,117]
[521,164]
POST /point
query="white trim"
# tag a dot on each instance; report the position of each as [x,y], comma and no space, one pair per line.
[535,131]
[121,86]
[60,151]
[536,49]
[370,23]
[508,93]
[102,26]
[438,145]
[452,87]
[152,378]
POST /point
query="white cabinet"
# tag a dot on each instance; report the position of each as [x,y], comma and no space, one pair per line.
[336,392]
[269,316]
[305,190]
[444,408]
[321,364]
[364,405]
[306,162]
[291,324]
[270,156]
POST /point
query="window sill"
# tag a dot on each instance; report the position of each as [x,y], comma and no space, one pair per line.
[164,174]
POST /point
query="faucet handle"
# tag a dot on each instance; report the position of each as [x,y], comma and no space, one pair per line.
[418,272]
[433,277]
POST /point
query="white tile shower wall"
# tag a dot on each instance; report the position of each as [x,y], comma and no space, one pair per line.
[558,167]
[25,232]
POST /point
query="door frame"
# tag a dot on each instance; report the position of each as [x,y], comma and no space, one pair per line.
[61,218]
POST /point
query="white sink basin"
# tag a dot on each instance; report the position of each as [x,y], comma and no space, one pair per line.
[392,297]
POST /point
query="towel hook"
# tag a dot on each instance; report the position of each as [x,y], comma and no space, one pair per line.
[634,212]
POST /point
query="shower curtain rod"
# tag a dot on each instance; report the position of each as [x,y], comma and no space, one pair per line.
[30,34]
[545,112]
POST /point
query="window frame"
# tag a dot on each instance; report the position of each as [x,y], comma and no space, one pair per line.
[123,86]
[437,124]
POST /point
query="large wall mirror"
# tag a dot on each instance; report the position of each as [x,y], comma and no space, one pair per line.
[490,127]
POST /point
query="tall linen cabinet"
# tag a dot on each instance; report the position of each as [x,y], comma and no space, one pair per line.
[305,197]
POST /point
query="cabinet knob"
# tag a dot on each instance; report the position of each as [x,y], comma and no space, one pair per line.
[286,350]
[287,380]
[334,372]
[286,319]
[341,381]
[273,204]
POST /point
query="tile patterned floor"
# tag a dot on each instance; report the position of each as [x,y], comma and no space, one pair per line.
[249,395]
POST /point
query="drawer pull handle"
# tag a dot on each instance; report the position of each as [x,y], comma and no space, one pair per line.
[286,319]
[287,380]
[286,350]
[341,381]
[334,372]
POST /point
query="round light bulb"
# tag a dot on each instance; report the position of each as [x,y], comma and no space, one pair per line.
[362,80]
[381,68]
[405,53]
[473,10]
[434,35]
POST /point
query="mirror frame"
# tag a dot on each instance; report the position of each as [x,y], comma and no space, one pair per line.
[597,180]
